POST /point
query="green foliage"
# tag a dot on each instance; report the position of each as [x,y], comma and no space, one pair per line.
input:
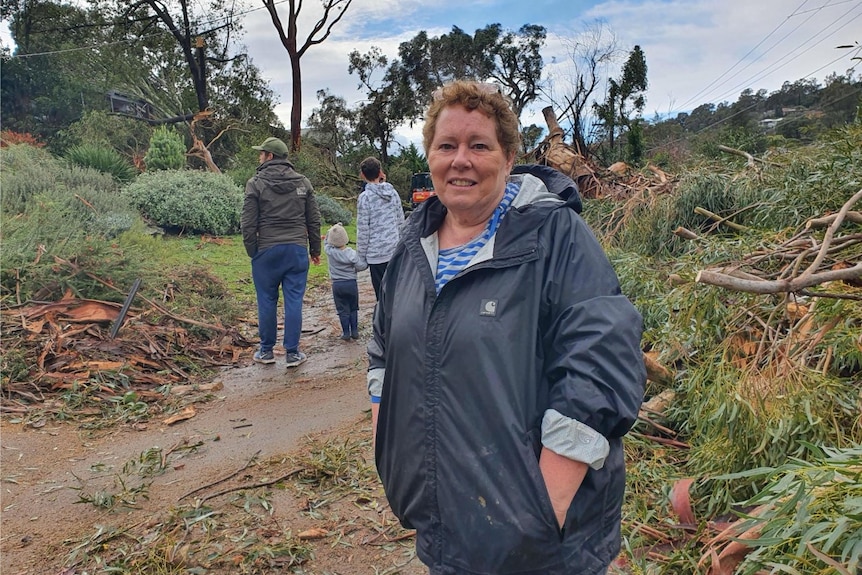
[33,180]
[192,201]
[647,222]
[39,94]
[167,150]
[102,159]
[128,136]
[331,211]
[312,163]
[57,221]
[412,160]
[739,419]
[643,281]
[624,104]
[812,516]
[746,138]
[635,143]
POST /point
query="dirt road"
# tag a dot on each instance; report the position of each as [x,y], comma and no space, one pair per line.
[55,477]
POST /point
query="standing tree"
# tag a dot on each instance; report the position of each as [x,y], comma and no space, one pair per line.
[518,62]
[332,126]
[289,39]
[390,102]
[625,97]
[58,70]
[512,59]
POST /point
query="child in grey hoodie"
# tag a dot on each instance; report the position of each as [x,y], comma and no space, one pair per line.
[379,217]
[343,265]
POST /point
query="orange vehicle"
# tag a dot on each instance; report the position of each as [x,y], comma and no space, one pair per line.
[421,188]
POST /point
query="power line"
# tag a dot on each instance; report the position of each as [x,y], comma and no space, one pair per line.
[855,92]
[792,55]
[692,99]
[772,67]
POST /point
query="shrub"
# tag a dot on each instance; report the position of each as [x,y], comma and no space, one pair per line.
[331,211]
[10,138]
[167,151]
[33,179]
[128,136]
[192,201]
[102,159]
[55,219]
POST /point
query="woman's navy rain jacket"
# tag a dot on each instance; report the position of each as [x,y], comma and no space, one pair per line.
[470,373]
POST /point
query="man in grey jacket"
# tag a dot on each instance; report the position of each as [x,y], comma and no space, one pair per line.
[280,229]
[379,218]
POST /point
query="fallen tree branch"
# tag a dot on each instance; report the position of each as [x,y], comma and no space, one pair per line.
[830,233]
[223,479]
[287,475]
[657,372]
[822,222]
[685,234]
[751,159]
[776,286]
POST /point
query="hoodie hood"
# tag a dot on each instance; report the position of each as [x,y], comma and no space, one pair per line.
[384,191]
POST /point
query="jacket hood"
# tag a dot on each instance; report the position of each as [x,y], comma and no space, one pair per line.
[556,183]
[276,172]
[383,190]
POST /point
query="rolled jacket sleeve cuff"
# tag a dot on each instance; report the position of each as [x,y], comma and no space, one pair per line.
[375,382]
[571,438]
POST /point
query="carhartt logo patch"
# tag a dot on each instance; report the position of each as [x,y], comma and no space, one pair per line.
[489,308]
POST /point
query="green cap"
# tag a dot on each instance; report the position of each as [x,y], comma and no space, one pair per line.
[273,146]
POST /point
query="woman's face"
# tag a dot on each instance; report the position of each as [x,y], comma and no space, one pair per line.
[468,165]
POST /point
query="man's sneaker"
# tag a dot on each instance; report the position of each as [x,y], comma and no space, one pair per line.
[345,336]
[354,335]
[264,356]
[294,359]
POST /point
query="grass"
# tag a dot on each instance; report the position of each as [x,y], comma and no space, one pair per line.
[225,256]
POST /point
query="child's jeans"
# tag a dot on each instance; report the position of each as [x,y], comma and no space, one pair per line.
[345,293]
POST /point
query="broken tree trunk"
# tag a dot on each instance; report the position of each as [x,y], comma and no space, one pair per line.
[554,152]
[559,155]
[199,149]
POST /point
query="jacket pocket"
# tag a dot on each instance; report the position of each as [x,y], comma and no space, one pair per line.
[534,442]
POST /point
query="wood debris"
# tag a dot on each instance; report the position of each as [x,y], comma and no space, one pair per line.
[619,181]
[66,347]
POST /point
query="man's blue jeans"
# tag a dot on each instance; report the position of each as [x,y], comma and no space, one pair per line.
[283,266]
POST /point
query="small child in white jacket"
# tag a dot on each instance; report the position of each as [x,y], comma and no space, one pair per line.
[344,262]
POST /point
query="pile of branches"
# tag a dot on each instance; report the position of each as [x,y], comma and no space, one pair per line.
[103,350]
[825,259]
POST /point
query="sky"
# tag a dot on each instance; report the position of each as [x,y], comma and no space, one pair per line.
[697,51]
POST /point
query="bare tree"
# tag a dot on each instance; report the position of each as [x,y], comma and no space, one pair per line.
[321,30]
[574,89]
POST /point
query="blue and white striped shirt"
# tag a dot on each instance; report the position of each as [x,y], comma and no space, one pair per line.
[452,260]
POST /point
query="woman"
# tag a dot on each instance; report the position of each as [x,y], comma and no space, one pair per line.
[505,365]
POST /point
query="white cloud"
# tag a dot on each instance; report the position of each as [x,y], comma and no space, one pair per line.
[704,51]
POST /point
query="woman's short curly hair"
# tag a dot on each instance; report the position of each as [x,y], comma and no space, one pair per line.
[473,95]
